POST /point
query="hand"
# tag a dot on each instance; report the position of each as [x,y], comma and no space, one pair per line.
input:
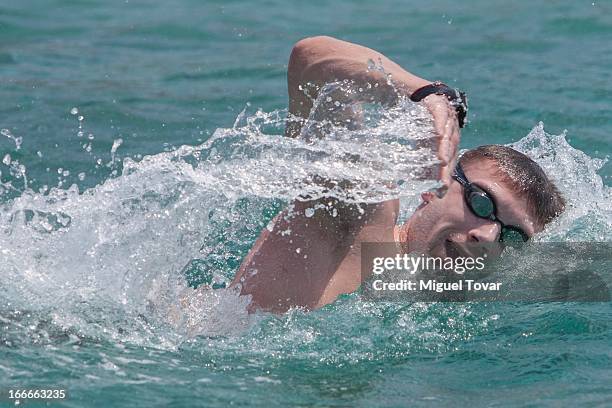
[446,126]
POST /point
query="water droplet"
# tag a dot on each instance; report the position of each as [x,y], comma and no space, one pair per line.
[309,212]
[270,226]
[7,159]
[74,111]
[17,140]
[80,118]
[116,145]
[81,176]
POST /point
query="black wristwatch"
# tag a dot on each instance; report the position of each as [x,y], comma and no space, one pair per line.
[457,98]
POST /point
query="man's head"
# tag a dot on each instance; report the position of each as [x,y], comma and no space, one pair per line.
[523,195]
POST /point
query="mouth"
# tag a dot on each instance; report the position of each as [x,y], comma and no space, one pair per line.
[457,250]
[468,250]
[451,249]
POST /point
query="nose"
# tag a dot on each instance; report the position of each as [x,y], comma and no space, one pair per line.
[487,231]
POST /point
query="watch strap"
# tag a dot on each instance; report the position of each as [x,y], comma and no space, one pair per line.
[457,98]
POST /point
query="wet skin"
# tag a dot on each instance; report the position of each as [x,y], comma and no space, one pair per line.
[440,220]
[318,261]
[309,261]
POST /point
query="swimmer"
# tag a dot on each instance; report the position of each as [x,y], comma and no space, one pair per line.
[491,194]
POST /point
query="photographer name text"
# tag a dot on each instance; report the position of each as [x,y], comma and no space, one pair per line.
[433,286]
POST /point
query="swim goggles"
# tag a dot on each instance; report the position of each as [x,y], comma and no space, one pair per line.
[483,206]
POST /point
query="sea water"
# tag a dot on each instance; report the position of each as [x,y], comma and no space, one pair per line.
[142,154]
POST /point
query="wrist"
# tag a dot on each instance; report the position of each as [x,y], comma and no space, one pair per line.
[455,98]
[408,84]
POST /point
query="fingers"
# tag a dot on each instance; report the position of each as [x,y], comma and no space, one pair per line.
[447,151]
[455,137]
[440,114]
[447,131]
[445,175]
[440,117]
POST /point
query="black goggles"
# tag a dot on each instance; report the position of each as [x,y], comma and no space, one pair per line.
[482,205]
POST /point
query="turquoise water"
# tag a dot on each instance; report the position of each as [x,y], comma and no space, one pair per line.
[168,186]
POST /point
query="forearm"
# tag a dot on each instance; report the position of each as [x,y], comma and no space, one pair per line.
[319,60]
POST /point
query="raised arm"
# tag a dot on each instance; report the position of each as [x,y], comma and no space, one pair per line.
[319,60]
[308,259]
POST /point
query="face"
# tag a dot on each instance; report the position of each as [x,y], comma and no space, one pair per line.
[447,227]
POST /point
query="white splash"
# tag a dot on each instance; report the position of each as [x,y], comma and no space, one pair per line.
[118,252]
